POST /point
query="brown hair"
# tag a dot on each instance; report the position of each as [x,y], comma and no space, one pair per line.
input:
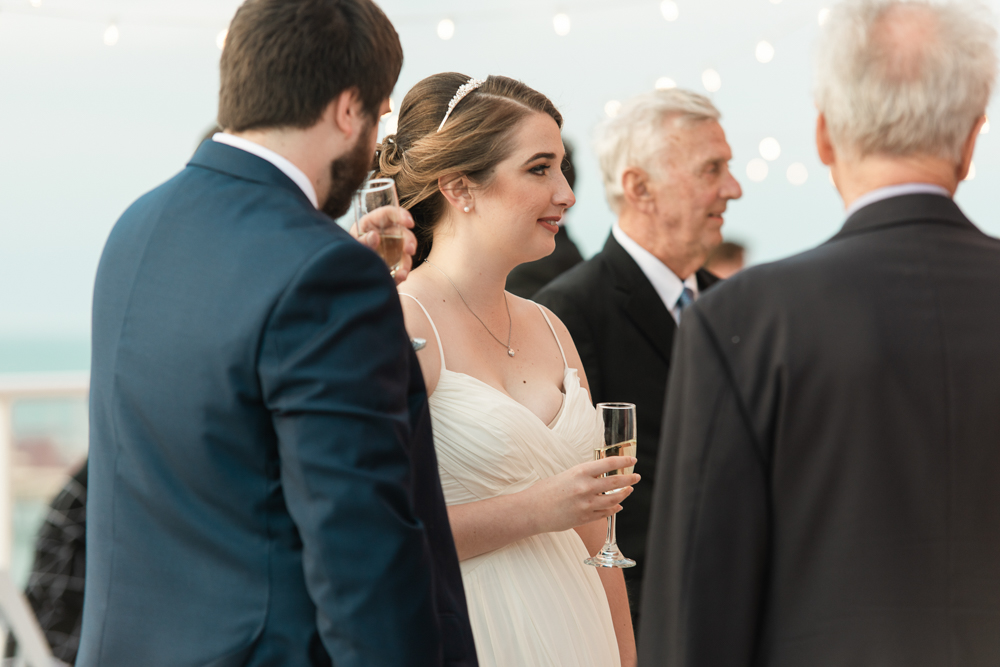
[285,60]
[473,141]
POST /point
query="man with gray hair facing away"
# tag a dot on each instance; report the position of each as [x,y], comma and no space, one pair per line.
[828,489]
[664,160]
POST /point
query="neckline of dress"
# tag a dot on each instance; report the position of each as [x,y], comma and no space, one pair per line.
[555,421]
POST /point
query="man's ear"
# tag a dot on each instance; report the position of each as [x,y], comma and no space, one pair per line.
[456,189]
[636,189]
[345,112]
[827,154]
[969,148]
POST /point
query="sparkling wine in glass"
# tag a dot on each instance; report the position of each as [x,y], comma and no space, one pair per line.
[617,422]
[376,193]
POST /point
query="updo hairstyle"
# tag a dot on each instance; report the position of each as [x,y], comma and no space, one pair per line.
[475,139]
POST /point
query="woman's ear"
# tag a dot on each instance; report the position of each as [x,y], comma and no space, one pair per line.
[455,188]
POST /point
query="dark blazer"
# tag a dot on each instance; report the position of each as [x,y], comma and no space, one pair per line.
[828,485]
[253,405]
[525,280]
[624,335]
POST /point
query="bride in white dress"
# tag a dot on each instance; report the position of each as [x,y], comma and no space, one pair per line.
[513,422]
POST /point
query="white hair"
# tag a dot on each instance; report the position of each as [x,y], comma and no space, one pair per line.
[637,136]
[905,77]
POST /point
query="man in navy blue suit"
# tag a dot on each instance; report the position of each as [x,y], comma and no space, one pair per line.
[263,488]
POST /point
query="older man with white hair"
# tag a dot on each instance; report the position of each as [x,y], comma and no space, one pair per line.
[829,486]
[664,160]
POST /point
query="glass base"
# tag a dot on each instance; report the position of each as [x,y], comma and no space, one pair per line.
[610,556]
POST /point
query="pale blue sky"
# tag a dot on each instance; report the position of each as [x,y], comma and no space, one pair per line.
[86,128]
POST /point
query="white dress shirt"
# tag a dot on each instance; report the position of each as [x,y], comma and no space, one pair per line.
[290,170]
[664,281]
[891,191]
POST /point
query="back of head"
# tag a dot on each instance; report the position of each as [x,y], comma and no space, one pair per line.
[475,138]
[285,60]
[905,77]
[636,136]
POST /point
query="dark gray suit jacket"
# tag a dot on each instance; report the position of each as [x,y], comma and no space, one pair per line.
[624,335]
[829,485]
[257,471]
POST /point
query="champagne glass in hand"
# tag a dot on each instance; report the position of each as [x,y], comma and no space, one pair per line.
[374,194]
[617,422]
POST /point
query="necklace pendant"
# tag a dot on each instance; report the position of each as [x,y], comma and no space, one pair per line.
[510,352]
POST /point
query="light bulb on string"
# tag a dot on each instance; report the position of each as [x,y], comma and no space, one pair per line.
[665,83]
[797,173]
[220,39]
[972,172]
[711,80]
[446,29]
[824,14]
[111,35]
[612,108]
[985,129]
[670,10]
[764,52]
[561,24]
[770,149]
[756,170]
[36,3]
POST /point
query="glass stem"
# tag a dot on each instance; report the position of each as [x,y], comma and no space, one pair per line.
[611,540]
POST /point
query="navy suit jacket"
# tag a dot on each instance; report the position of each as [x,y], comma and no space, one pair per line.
[252,408]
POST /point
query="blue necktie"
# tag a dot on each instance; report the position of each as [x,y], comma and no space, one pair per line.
[683,301]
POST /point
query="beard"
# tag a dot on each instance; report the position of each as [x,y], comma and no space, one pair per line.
[348,172]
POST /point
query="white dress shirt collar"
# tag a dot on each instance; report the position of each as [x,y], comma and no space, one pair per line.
[664,281]
[891,191]
[286,167]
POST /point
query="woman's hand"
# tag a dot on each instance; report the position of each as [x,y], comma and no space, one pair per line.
[575,497]
[367,229]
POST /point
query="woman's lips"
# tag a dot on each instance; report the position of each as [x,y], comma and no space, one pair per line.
[551,224]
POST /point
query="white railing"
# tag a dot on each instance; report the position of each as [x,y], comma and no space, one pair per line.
[13,388]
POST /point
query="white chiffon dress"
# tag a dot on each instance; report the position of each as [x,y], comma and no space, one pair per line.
[533,603]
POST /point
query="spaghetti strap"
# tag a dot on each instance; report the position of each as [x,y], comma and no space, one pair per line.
[434,328]
[553,330]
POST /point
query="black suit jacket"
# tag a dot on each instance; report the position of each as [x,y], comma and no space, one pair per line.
[624,335]
[829,483]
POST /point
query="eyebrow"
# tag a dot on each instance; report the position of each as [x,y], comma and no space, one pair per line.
[536,156]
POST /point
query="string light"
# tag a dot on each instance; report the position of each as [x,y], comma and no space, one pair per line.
[446,29]
[972,171]
[220,39]
[111,35]
[765,52]
[985,129]
[561,24]
[670,10]
[770,149]
[797,173]
[711,80]
[756,170]
[665,83]
[824,14]
[612,108]
[36,3]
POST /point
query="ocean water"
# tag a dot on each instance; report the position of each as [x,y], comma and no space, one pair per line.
[50,436]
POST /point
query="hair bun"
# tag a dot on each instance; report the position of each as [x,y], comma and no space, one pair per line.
[390,156]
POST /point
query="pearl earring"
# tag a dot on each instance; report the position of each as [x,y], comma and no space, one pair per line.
[467,209]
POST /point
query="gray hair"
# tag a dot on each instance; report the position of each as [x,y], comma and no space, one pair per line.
[905,77]
[636,136]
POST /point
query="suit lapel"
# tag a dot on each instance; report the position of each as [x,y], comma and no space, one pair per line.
[637,298]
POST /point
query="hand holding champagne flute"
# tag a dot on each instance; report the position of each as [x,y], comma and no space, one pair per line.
[383,226]
[617,421]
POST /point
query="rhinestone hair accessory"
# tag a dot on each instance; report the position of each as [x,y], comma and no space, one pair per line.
[462,91]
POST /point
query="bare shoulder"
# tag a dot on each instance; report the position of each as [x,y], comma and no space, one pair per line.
[414,297]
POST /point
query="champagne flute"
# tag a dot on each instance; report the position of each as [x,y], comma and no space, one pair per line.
[617,423]
[376,193]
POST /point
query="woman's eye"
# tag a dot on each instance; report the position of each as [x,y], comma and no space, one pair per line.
[540,169]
